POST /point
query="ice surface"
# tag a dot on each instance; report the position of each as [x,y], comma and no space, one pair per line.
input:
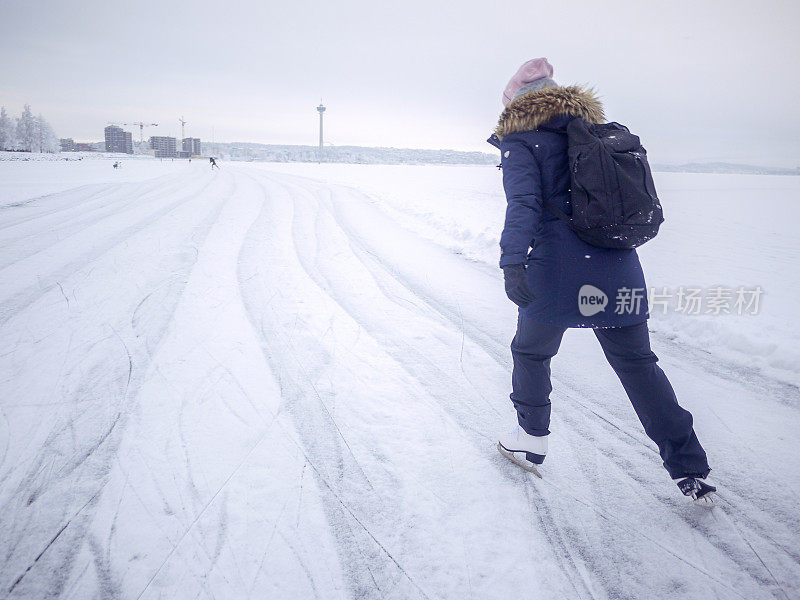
[285,381]
[720,230]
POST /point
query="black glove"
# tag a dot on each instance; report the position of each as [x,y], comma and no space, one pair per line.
[517,288]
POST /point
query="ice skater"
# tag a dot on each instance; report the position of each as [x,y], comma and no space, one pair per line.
[560,281]
[213,162]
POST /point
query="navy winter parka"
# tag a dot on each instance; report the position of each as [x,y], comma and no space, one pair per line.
[576,284]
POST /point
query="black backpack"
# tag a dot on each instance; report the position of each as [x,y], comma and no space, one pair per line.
[613,197]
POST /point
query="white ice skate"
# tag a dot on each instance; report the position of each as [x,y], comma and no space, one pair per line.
[527,451]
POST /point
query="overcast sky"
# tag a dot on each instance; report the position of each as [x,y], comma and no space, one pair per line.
[696,79]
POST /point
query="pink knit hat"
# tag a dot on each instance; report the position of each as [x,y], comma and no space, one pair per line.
[532,70]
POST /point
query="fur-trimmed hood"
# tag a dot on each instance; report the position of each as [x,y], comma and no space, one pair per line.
[533,109]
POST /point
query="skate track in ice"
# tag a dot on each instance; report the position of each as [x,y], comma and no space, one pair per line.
[250,384]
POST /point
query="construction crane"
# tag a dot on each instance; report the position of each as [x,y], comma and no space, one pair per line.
[141,128]
[183,125]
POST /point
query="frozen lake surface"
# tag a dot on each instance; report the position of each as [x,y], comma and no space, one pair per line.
[285,381]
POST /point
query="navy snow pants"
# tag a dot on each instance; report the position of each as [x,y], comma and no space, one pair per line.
[628,351]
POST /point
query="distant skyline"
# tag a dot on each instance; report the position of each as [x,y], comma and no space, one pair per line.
[697,81]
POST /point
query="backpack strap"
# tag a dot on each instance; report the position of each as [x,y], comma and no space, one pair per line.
[558,213]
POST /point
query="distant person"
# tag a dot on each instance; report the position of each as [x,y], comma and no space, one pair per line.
[116,165]
[213,163]
[547,268]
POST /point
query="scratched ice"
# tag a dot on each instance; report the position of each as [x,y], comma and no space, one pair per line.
[284,381]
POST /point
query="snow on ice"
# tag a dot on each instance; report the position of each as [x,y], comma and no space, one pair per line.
[285,381]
